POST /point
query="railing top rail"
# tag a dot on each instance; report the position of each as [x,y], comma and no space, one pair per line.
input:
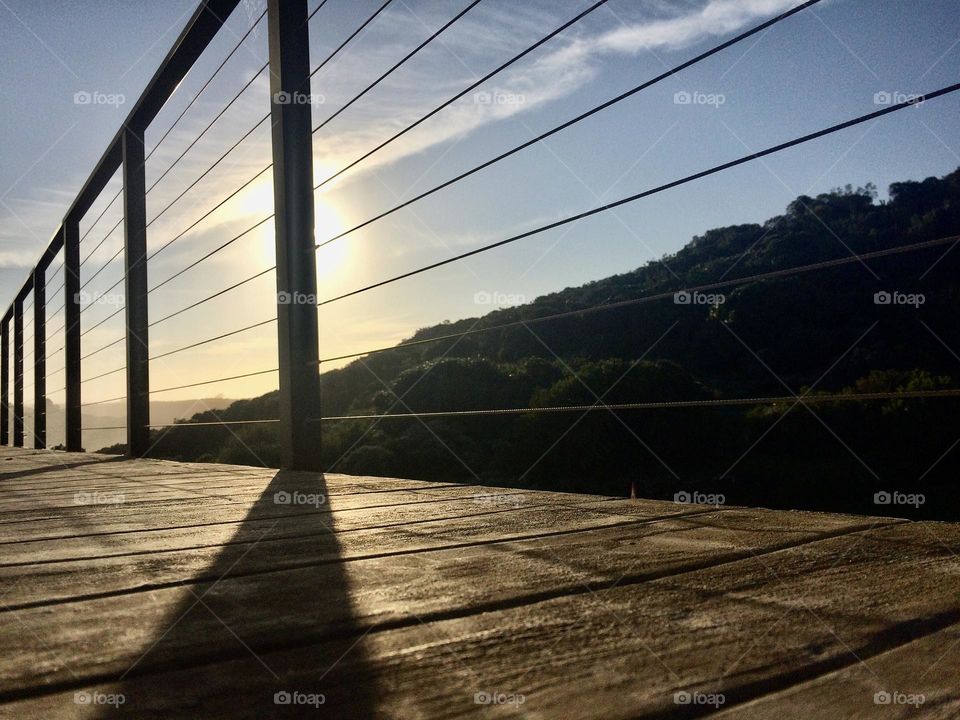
[209,16]
[203,25]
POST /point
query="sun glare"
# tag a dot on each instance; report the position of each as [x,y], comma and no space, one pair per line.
[258,202]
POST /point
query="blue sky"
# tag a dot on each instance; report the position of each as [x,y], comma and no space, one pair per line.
[817,68]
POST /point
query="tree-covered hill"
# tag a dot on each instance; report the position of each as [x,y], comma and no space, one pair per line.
[822,328]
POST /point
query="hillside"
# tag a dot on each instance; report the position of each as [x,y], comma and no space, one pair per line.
[768,337]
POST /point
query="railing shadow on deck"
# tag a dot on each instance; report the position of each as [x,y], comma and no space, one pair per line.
[249,642]
[17,474]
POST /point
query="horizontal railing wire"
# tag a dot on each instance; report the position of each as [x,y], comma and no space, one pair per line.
[102,241]
[102,268]
[237,191]
[516,58]
[60,327]
[53,275]
[208,298]
[350,37]
[102,213]
[398,64]
[216,72]
[55,292]
[705,403]
[216,380]
[104,402]
[193,100]
[207,214]
[106,319]
[316,9]
[213,339]
[198,138]
[579,118]
[663,405]
[104,374]
[720,284]
[260,122]
[210,254]
[214,423]
[600,406]
[653,191]
[102,348]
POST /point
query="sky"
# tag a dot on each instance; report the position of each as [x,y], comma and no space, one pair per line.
[69,72]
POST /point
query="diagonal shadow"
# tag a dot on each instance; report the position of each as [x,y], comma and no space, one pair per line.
[42,469]
[241,630]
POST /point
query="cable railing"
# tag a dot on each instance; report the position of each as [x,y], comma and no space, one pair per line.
[292,130]
[664,405]
[665,295]
[652,191]
[467,90]
[569,123]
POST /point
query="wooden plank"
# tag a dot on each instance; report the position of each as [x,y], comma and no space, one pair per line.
[435,521]
[670,539]
[106,519]
[42,582]
[919,679]
[139,506]
[589,608]
[281,608]
[750,626]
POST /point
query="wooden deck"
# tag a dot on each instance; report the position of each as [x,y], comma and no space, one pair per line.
[194,591]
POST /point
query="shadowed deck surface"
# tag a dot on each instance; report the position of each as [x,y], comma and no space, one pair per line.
[191,590]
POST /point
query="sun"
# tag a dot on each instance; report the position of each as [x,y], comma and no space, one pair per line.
[258,202]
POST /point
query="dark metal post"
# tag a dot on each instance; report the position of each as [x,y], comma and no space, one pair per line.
[289,44]
[5,382]
[71,344]
[18,372]
[135,261]
[39,357]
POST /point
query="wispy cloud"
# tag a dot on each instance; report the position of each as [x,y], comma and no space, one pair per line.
[574,60]
[18,257]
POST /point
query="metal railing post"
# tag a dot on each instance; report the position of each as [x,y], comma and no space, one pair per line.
[71,340]
[5,381]
[135,266]
[39,357]
[18,372]
[298,343]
